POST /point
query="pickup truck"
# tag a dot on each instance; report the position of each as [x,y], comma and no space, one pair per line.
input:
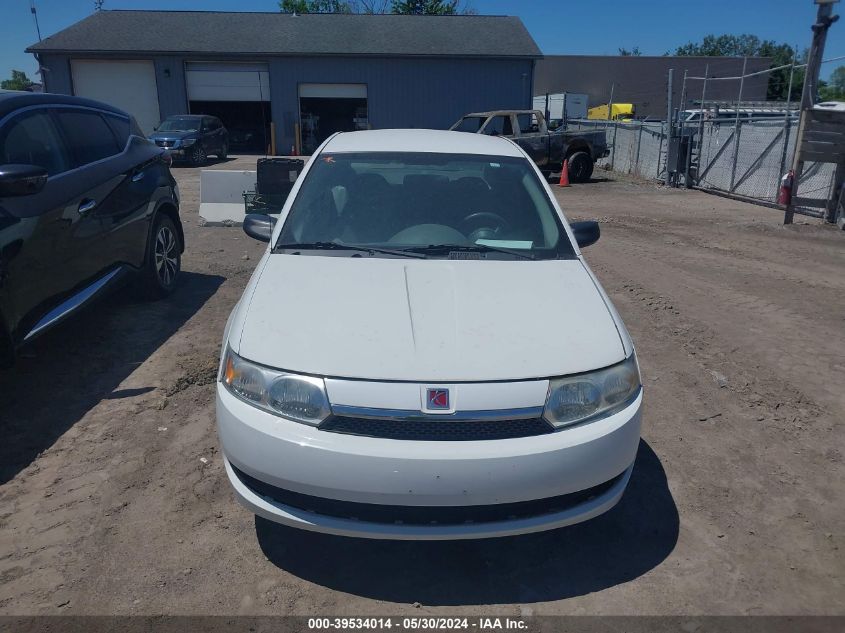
[528,129]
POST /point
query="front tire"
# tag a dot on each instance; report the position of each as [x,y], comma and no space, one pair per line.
[224,152]
[198,155]
[164,259]
[580,167]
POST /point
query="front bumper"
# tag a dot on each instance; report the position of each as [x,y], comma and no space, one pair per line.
[301,462]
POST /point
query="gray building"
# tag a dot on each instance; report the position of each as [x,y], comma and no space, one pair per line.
[643,80]
[309,74]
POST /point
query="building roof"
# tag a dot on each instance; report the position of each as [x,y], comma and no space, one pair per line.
[288,34]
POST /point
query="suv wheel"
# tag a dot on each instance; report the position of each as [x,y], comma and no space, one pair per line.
[164,259]
[224,152]
[198,155]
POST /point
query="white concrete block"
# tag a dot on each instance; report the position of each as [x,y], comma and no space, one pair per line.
[221,195]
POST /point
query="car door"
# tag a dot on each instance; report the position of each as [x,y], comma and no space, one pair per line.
[209,138]
[98,230]
[34,271]
[530,138]
[126,211]
[217,131]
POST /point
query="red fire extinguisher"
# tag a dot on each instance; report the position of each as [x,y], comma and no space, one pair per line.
[785,191]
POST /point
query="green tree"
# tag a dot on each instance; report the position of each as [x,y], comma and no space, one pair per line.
[634,52]
[19,81]
[833,90]
[315,6]
[747,45]
[425,7]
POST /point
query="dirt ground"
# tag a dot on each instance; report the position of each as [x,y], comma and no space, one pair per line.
[114,499]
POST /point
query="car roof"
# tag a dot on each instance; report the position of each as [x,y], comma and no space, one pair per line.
[189,116]
[434,141]
[12,100]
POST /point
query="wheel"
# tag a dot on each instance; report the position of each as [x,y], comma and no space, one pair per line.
[580,167]
[198,155]
[164,259]
[224,152]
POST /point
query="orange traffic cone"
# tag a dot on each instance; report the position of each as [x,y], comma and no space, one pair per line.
[564,175]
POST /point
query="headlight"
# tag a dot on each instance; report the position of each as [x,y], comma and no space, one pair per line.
[187,142]
[596,394]
[299,398]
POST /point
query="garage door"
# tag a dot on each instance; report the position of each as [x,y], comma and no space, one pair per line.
[227,82]
[336,91]
[129,85]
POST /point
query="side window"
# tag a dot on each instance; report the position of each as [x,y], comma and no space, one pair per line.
[88,135]
[499,126]
[214,125]
[119,127]
[33,139]
[135,129]
[527,123]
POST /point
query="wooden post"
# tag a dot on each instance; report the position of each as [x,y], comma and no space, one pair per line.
[824,18]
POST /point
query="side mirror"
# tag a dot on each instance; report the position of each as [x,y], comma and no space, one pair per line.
[586,232]
[259,226]
[21,180]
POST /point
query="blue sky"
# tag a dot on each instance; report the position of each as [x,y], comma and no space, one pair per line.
[559,26]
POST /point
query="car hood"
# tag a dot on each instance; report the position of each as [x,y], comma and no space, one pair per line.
[426,320]
[172,136]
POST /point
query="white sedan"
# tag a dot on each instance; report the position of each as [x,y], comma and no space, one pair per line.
[423,353]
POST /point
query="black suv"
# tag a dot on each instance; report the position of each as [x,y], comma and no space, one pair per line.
[192,137]
[85,200]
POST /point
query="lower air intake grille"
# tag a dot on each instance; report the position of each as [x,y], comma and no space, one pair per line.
[424,515]
[441,429]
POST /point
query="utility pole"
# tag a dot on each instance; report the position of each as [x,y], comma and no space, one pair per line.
[610,105]
[824,18]
[35,17]
[669,126]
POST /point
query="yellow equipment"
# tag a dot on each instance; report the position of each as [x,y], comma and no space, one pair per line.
[621,112]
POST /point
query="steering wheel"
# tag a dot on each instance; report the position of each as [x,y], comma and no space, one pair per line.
[483,225]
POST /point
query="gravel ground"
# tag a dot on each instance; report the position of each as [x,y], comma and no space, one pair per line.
[114,499]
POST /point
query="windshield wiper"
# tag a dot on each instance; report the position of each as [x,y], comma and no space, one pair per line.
[334,246]
[445,249]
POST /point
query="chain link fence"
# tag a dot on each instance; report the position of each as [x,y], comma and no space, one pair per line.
[746,159]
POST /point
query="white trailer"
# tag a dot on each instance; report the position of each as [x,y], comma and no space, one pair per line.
[553,105]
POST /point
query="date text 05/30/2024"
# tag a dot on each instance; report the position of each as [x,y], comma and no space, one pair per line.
[417,624]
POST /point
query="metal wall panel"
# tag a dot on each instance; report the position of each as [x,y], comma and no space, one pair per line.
[403,92]
[642,80]
[417,92]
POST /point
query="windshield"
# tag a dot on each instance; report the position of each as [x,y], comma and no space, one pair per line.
[486,207]
[469,124]
[179,125]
